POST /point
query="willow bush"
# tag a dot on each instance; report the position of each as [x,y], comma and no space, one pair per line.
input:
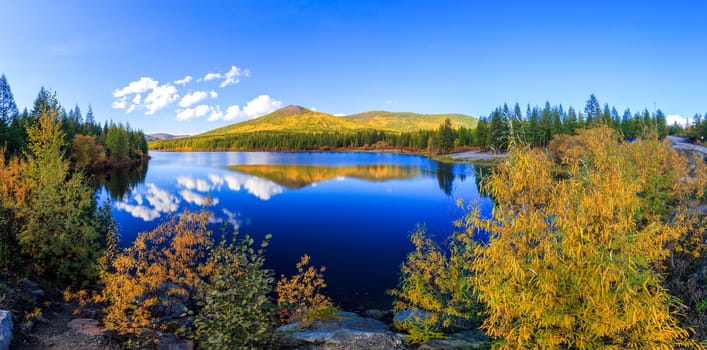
[575,241]
[434,289]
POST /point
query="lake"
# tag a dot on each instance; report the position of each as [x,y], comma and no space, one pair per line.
[351,212]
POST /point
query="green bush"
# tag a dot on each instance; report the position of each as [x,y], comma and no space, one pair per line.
[235,311]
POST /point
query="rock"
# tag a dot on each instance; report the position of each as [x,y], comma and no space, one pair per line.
[32,288]
[379,315]
[5,329]
[170,342]
[87,326]
[346,331]
[27,284]
[37,292]
[472,339]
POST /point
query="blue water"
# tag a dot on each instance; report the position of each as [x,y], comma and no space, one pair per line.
[355,221]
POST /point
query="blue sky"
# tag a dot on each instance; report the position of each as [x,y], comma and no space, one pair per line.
[348,57]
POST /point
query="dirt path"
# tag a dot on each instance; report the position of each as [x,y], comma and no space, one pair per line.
[681,143]
[59,329]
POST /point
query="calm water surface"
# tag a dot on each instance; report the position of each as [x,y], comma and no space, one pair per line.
[351,212]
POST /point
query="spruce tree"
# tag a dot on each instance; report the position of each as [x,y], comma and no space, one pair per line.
[8,108]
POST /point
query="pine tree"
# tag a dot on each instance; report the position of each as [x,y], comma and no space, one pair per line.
[8,108]
[592,109]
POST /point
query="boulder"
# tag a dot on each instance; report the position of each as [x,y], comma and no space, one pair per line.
[170,342]
[472,339]
[346,331]
[5,329]
[375,314]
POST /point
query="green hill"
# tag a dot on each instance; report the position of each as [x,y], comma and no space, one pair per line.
[293,119]
[408,121]
[298,128]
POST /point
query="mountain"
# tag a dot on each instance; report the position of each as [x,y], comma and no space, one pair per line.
[408,121]
[163,136]
[292,119]
[298,128]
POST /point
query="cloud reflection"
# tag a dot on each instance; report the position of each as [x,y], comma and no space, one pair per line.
[261,188]
[198,199]
[159,202]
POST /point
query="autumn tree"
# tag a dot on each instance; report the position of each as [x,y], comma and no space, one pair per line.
[574,241]
[58,209]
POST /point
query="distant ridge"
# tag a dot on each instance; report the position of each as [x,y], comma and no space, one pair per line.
[163,136]
[408,121]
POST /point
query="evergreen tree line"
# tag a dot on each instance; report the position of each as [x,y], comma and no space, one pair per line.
[537,126]
[696,131]
[87,143]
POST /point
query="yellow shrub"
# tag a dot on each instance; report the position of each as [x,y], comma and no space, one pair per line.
[570,262]
[161,271]
[299,296]
[437,284]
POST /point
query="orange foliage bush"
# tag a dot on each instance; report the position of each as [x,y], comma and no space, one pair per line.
[153,283]
[299,296]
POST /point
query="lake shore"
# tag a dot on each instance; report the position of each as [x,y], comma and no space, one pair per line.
[465,156]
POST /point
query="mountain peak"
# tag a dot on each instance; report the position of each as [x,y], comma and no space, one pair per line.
[292,109]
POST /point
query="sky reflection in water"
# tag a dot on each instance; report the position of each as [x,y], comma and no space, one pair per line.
[352,212]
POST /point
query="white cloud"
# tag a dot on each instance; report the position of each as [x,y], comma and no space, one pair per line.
[212,76]
[120,103]
[261,105]
[216,114]
[256,107]
[233,112]
[231,77]
[190,99]
[160,97]
[136,87]
[196,112]
[314,109]
[339,114]
[676,118]
[184,81]
[213,94]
